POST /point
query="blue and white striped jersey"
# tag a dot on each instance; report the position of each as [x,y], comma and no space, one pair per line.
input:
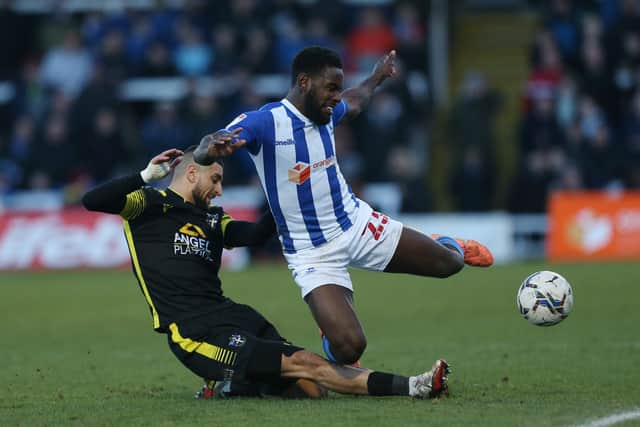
[296,162]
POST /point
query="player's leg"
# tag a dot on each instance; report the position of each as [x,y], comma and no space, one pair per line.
[419,254]
[352,380]
[332,308]
[295,388]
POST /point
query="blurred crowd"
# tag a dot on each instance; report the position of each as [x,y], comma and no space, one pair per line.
[65,124]
[580,125]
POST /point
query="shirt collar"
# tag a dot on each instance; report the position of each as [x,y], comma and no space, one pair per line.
[289,106]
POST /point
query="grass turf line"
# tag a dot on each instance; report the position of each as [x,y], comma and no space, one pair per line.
[78,349]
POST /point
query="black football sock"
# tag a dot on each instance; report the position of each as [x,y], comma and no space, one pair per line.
[383,384]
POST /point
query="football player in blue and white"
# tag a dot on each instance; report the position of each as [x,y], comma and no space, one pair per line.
[323,227]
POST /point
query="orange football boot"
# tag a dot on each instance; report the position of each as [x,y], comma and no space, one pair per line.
[475,253]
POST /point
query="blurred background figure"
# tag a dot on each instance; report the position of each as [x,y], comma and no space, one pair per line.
[121,83]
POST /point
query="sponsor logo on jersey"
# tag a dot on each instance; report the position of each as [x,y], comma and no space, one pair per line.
[288,141]
[302,171]
[191,240]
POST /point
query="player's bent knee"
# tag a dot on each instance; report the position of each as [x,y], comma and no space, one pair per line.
[454,264]
[348,347]
[448,265]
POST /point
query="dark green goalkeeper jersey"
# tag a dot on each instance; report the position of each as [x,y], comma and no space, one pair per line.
[175,246]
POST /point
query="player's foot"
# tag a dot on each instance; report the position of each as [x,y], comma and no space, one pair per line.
[431,384]
[327,350]
[212,390]
[475,253]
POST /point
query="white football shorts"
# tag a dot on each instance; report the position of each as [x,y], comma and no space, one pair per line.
[369,244]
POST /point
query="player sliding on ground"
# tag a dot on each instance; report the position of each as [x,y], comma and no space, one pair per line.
[175,240]
[323,227]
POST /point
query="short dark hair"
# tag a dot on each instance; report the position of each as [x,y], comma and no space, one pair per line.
[312,60]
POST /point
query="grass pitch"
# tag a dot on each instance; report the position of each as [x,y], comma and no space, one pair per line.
[78,349]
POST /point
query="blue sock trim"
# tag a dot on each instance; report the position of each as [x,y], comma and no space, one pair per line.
[450,242]
[327,349]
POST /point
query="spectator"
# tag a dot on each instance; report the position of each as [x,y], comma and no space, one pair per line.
[472,183]
[405,169]
[21,146]
[540,129]
[529,190]
[138,41]
[52,160]
[256,56]
[157,62]
[409,31]
[192,57]
[225,45]
[164,130]
[31,96]
[382,126]
[371,38]
[204,114]
[289,40]
[472,123]
[562,24]
[100,93]
[547,72]
[112,56]
[598,159]
[103,151]
[67,67]
[595,78]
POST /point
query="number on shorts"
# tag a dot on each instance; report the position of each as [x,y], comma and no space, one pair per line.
[376,225]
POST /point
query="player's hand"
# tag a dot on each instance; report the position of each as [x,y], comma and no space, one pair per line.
[221,143]
[385,67]
[161,165]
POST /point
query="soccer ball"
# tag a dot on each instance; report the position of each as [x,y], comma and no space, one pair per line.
[545,298]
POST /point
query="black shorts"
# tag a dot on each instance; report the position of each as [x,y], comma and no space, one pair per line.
[234,343]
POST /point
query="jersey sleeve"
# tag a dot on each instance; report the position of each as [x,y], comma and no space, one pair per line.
[339,111]
[224,222]
[137,202]
[253,125]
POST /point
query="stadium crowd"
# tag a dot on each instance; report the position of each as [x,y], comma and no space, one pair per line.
[66,124]
[580,125]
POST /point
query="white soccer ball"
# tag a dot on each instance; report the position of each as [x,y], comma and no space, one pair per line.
[545,298]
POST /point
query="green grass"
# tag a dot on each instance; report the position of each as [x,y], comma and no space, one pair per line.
[78,349]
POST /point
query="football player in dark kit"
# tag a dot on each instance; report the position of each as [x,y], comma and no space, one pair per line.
[175,239]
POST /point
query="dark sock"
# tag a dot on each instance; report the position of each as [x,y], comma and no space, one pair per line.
[383,384]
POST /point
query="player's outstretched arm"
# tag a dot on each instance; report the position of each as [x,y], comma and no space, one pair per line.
[243,233]
[218,144]
[111,196]
[358,97]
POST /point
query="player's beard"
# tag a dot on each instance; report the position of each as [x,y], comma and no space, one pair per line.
[199,196]
[313,108]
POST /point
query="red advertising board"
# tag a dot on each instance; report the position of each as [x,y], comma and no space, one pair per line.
[71,238]
[594,225]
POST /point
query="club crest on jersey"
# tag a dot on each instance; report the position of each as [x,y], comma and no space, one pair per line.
[237,340]
[300,173]
[237,120]
[212,219]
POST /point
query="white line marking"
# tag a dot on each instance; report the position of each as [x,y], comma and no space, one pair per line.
[612,419]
